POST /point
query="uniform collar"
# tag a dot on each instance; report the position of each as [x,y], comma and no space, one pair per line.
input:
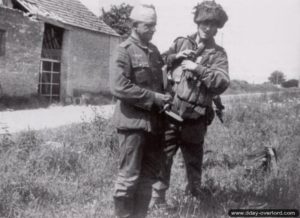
[194,38]
[134,39]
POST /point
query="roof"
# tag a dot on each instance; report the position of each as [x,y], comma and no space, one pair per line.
[71,12]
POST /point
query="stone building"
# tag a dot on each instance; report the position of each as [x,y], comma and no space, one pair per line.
[57,49]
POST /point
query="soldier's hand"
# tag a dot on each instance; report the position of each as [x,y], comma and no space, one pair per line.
[189,75]
[189,65]
[162,99]
[185,54]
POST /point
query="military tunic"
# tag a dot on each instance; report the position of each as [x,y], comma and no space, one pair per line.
[212,74]
[136,75]
[135,78]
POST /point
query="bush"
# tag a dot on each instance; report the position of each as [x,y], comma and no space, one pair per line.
[240,86]
[290,83]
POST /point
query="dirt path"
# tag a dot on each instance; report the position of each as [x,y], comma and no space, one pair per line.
[37,119]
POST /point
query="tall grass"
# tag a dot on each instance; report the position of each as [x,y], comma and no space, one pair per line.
[69,171]
[229,180]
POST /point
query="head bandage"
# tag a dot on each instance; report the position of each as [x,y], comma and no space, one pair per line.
[144,13]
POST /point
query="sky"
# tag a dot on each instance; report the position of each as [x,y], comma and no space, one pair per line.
[261,36]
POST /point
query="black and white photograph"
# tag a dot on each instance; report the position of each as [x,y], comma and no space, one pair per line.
[149,108]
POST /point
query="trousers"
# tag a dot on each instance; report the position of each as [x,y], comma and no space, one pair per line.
[140,163]
[189,137]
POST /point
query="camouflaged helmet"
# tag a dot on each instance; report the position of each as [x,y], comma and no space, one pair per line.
[210,10]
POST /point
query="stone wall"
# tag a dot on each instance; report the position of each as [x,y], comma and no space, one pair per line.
[19,65]
[86,61]
[86,57]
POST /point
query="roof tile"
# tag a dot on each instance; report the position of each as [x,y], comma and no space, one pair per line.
[71,12]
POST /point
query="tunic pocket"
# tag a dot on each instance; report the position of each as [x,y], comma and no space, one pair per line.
[142,76]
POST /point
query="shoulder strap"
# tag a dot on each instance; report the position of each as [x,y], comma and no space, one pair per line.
[125,44]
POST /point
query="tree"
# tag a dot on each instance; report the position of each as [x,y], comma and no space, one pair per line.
[277,77]
[118,18]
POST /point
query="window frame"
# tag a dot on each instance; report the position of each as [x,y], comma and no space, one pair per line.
[50,95]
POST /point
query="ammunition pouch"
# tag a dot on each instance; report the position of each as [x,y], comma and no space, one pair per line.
[189,97]
[187,110]
[187,89]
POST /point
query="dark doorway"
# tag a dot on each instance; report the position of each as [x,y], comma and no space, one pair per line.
[50,70]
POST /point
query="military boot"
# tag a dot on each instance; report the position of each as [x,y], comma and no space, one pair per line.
[141,205]
[159,202]
[123,207]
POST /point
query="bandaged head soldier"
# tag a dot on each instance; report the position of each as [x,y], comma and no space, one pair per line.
[198,73]
[137,84]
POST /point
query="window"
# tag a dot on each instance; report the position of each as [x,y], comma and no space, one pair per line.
[49,83]
[2,42]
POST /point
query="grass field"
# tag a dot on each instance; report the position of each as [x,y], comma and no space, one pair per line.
[69,172]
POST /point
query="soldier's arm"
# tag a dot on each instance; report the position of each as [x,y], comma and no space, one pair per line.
[178,51]
[170,56]
[215,77]
[123,88]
